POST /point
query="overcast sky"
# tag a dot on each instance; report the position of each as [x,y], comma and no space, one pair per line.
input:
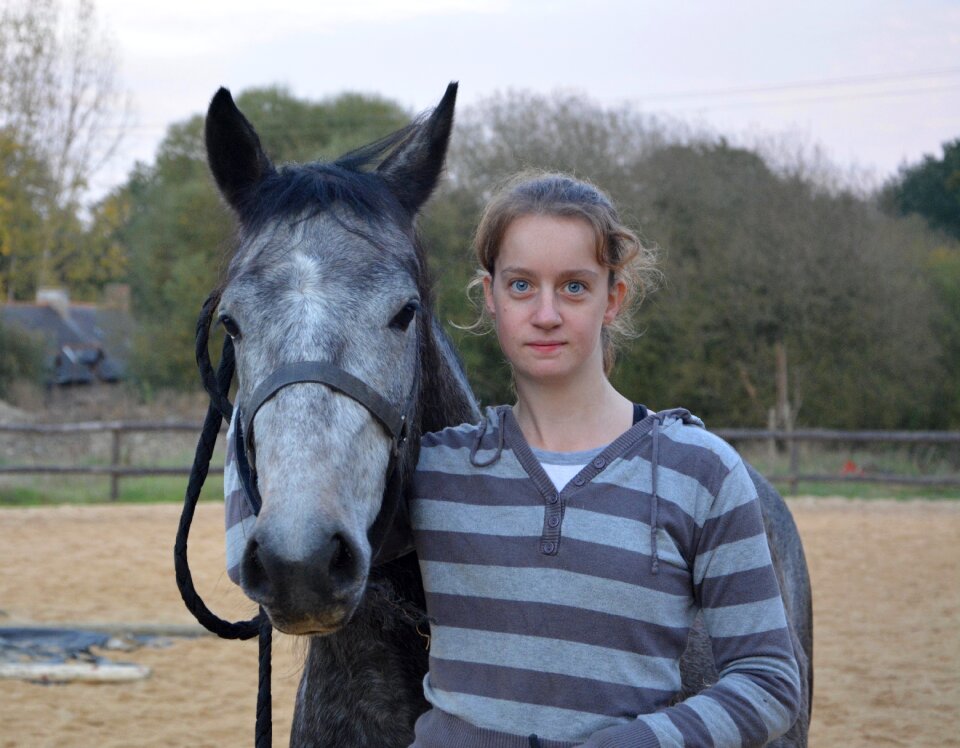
[874,83]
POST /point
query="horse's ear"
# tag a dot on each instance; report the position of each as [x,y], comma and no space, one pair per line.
[234,152]
[413,169]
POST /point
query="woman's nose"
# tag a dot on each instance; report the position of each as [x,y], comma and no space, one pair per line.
[546,314]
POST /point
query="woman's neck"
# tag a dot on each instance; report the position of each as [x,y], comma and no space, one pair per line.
[565,419]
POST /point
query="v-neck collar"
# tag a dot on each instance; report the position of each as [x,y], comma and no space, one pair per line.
[513,436]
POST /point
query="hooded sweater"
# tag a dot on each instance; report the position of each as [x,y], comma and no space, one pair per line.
[558,618]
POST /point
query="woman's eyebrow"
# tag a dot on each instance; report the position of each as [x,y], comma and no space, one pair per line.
[575,273]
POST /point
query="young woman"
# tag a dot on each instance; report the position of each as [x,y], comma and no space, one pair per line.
[568,541]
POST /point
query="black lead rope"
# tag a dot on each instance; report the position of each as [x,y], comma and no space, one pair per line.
[220,408]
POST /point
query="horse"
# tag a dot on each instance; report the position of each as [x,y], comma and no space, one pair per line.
[341,366]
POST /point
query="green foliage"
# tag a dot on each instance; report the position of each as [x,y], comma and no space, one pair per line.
[931,189]
[943,269]
[21,357]
[755,259]
[22,180]
[43,490]
[61,118]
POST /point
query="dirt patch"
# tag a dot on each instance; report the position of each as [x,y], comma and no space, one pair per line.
[886,595]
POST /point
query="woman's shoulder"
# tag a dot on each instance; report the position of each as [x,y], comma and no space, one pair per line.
[688,433]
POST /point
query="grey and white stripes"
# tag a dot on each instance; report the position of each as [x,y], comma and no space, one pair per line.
[582,644]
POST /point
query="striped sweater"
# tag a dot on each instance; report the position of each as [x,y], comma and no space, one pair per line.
[564,614]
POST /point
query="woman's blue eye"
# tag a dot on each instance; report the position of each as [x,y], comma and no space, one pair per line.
[520,286]
[575,287]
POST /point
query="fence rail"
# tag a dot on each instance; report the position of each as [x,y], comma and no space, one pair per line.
[791,439]
[115,469]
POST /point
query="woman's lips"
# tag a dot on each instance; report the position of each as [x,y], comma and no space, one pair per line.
[545,346]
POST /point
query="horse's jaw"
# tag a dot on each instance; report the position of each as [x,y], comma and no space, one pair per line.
[325,626]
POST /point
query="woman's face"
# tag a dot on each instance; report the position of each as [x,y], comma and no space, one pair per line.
[549,298]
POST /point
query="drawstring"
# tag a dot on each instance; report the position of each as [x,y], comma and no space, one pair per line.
[654,503]
[654,500]
[476,443]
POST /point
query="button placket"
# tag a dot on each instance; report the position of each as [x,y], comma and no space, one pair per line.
[552,519]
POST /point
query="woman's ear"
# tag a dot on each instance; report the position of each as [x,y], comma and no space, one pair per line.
[615,298]
[488,295]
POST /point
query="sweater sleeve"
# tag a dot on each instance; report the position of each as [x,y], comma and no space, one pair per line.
[757,697]
[238,514]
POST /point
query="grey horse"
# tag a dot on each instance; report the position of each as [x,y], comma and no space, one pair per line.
[328,268]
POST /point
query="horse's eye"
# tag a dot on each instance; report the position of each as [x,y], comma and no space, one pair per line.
[401,320]
[230,325]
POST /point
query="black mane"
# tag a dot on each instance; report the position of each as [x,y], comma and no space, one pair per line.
[351,181]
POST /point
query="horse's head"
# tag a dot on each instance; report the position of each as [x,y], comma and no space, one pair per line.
[327,270]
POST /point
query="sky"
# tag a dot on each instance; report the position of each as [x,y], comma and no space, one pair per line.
[873,84]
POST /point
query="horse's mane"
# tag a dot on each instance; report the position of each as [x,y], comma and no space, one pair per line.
[351,181]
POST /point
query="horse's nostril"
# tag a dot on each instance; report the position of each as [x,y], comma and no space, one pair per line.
[253,557]
[341,562]
[253,573]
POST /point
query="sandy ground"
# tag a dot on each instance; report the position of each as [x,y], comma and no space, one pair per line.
[886,582]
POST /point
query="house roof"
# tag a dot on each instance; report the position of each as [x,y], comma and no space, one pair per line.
[71,338]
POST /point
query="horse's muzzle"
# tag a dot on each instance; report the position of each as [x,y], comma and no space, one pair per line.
[314,593]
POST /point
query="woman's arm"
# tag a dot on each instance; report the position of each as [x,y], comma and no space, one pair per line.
[757,697]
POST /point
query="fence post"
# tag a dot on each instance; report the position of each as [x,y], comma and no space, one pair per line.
[794,463]
[772,442]
[114,464]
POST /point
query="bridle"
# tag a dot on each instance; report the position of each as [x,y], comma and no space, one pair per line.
[389,535]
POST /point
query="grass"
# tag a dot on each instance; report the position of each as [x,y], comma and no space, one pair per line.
[39,490]
[876,459]
[852,490]
[45,490]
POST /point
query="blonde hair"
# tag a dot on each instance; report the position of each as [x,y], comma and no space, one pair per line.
[617,247]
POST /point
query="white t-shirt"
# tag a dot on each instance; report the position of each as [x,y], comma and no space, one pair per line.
[561,467]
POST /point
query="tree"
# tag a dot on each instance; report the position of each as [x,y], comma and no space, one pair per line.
[21,357]
[23,182]
[60,101]
[944,273]
[772,278]
[931,189]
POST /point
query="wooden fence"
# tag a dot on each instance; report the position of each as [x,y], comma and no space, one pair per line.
[115,469]
[790,439]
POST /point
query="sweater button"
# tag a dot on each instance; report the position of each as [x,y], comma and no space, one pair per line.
[548,547]
[553,520]
[599,462]
[578,481]
[553,498]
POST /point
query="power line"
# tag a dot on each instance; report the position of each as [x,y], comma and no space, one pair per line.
[822,83]
[826,97]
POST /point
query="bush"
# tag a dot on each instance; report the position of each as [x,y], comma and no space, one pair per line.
[21,357]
